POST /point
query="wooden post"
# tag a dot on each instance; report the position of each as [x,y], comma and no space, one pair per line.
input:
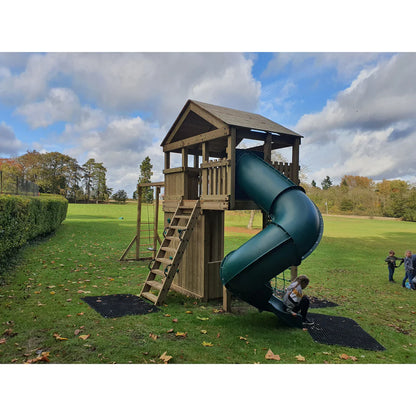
[267,155]
[295,179]
[205,158]
[139,216]
[295,161]
[231,157]
[167,160]
[184,157]
[156,222]
[226,300]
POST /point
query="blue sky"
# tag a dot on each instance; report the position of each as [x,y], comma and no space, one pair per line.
[356,111]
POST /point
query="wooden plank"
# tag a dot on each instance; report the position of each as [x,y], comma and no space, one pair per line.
[147,184]
[198,139]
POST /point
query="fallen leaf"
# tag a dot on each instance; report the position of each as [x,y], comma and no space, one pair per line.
[58,337]
[202,319]
[77,332]
[344,356]
[153,336]
[166,315]
[175,320]
[188,312]
[165,358]
[300,358]
[169,331]
[207,344]
[181,334]
[52,293]
[244,339]
[203,331]
[84,337]
[217,310]
[271,356]
[2,340]
[44,356]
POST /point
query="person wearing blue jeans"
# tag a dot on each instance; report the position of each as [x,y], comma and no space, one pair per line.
[391,264]
[409,270]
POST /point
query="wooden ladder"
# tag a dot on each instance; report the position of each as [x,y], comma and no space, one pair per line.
[165,265]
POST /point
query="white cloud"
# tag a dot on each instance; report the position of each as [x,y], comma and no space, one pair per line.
[10,145]
[369,128]
[61,104]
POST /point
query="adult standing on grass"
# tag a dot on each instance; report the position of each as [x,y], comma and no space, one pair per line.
[391,264]
[409,269]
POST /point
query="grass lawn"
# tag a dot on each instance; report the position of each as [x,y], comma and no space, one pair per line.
[43,317]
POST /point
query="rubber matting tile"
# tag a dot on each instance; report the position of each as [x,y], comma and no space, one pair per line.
[337,330]
[114,306]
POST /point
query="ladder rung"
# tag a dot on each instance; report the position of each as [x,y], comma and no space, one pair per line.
[164,260]
[150,296]
[169,249]
[155,284]
[178,227]
[172,238]
[158,272]
[182,216]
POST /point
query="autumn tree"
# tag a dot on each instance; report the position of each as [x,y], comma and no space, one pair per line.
[146,177]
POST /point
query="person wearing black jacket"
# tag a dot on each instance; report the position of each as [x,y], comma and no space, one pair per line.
[391,264]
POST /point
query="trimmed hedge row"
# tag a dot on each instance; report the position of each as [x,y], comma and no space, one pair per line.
[23,218]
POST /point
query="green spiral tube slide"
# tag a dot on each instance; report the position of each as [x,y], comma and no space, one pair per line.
[294,231]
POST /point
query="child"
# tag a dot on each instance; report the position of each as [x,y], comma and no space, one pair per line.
[295,300]
[391,264]
[408,267]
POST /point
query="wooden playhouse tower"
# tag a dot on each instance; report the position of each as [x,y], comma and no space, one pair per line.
[200,187]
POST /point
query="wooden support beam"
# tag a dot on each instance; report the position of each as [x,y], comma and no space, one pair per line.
[295,162]
[231,169]
[167,160]
[139,218]
[198,139]
[184,157]
[267,149]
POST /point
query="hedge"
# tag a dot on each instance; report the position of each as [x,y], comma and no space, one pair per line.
[23,218]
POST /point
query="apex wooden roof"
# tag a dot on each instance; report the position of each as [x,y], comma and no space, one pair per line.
[245,119]
[207,122]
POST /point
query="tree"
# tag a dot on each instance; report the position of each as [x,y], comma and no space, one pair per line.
[326,183]
[88,177]
[145,177]
[313,183]
[120,196]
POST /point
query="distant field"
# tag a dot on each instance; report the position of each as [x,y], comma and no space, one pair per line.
[42,311]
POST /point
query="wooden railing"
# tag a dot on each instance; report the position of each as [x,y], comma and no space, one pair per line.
[215,179]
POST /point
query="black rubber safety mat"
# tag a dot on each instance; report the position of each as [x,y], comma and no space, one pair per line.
[320,303]
[337,330]
[114,306]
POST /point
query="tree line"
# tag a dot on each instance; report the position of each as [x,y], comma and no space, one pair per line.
[359,195]
[57,173]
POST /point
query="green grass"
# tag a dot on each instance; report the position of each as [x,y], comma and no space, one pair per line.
[40,299]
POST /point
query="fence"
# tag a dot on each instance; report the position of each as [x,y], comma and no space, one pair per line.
[12,184]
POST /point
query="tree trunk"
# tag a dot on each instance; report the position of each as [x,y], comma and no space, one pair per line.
[250,222]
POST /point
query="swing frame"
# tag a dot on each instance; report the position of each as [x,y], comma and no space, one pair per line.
[136,239]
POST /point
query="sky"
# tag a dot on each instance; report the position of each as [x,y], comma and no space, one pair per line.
[356,111]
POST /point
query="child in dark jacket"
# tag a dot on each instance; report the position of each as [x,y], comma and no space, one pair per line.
[391,264]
